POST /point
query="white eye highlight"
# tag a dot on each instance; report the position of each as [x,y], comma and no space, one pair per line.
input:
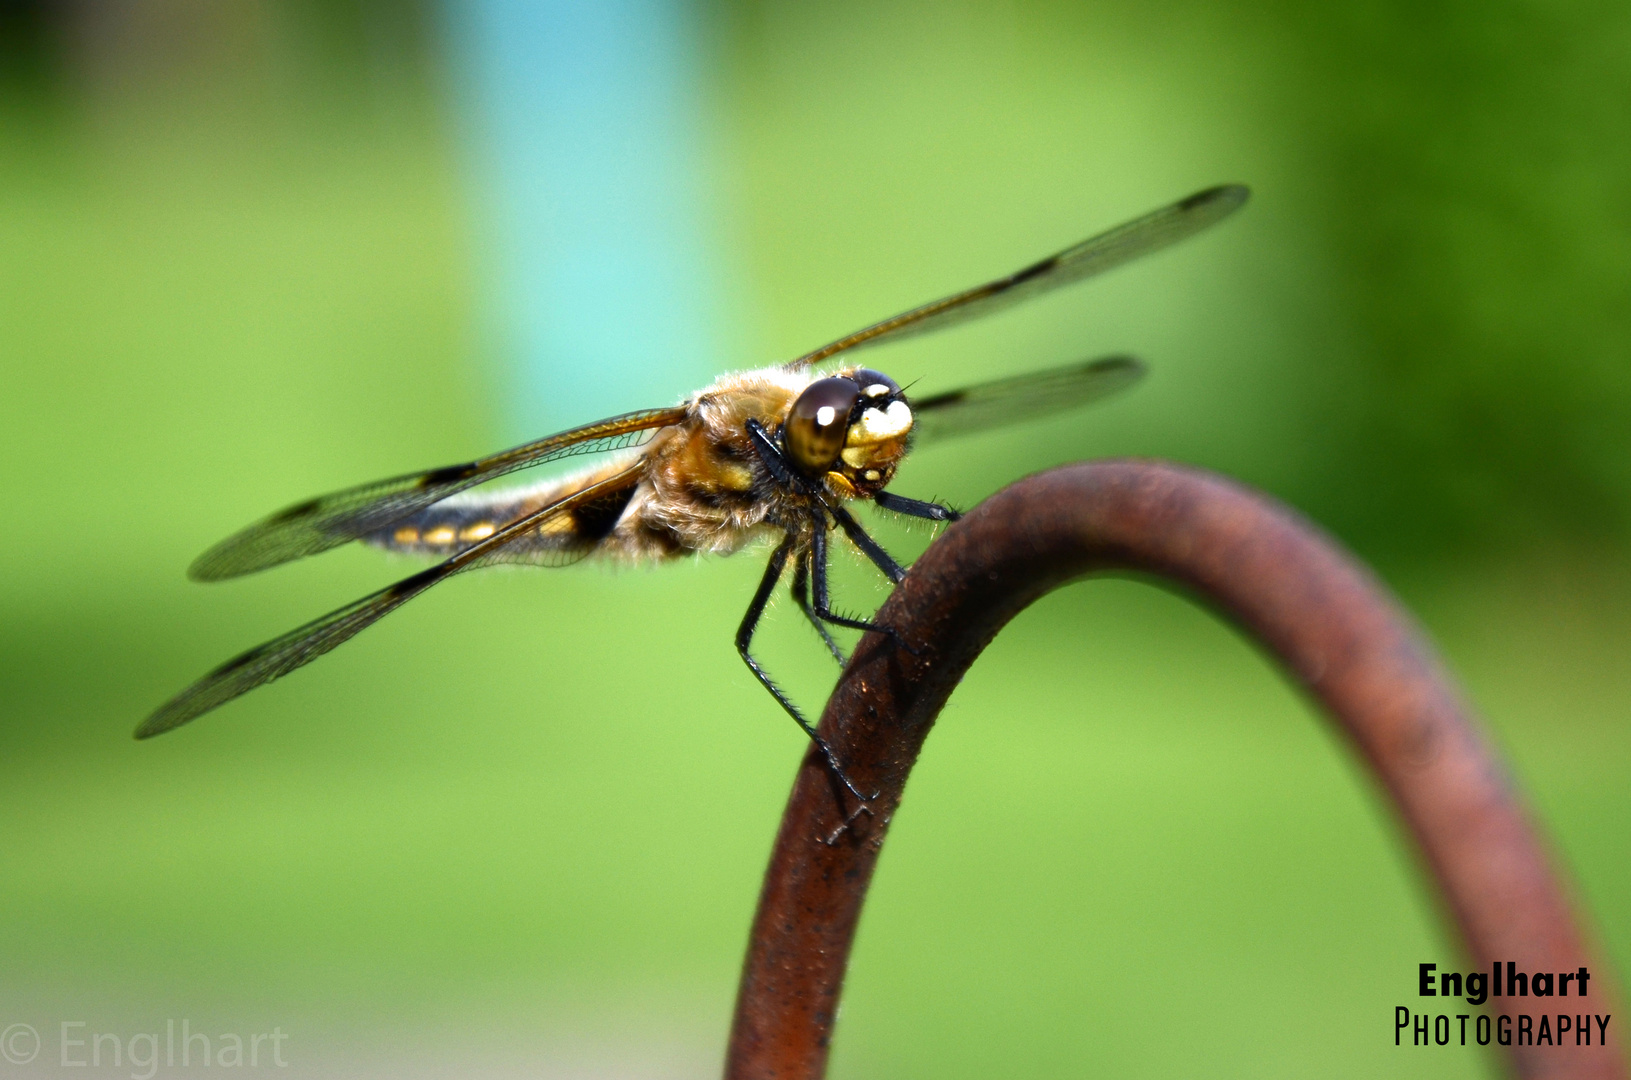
[826,415]
[877,389]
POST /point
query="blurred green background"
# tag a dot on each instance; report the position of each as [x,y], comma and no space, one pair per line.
[517,829]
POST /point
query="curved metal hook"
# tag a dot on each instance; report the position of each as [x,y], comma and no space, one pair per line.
[1324,617]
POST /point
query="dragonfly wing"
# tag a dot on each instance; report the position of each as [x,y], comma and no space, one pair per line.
[301,646]
[331,520]
[463,519]
[1023,397]
[1141,236]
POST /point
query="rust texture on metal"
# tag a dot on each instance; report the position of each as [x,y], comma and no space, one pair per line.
[1327,620]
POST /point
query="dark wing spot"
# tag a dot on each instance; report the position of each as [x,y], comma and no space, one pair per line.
[1199,197]
[293,513]
[236,662]
[422,580]
[449,475]
[1034,270]
[593,522]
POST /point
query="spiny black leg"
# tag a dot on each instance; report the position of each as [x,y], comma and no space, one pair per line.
[783,471]
[900,504]
[823,609]
[744,638]
[801,597]
[869,547]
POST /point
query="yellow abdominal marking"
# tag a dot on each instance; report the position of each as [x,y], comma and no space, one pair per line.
[443,535]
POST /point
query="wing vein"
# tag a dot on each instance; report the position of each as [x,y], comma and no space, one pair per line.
[1093,256]
[302,645]
[331,520]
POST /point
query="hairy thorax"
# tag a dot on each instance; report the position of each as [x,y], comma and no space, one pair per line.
[705,488]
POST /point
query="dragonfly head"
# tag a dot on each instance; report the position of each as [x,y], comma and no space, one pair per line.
[877,435]
[852,428]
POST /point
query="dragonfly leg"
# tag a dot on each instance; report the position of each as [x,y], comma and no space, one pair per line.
[869,547]
[801,597]
[782,469]
[900,504]
[823,608]
[744,638]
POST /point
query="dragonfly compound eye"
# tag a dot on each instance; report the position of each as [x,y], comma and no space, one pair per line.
[818,422]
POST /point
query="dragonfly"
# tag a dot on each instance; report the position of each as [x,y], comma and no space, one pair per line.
[773,456]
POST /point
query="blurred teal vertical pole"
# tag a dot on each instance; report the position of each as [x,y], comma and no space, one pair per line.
[582,120]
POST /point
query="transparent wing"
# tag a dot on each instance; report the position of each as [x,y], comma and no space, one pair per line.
[1024,397]
[331,520]
[1126,242]
[301,646]
[459,521]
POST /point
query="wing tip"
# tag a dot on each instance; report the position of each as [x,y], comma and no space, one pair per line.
[1128,367]
[234,557]
[207,568]
[223,560]
[1118,360]
[158,724]
[180,710]
[1221,199]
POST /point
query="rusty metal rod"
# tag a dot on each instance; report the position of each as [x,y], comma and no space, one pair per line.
[1324,617]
